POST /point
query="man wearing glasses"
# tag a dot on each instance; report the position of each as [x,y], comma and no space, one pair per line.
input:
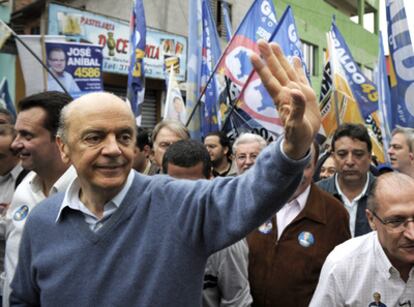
[246,149]
[379,262]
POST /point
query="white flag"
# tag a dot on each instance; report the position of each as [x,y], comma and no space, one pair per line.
[174,103]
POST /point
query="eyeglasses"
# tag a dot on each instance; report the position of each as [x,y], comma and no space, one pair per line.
[243,157]
[397,224]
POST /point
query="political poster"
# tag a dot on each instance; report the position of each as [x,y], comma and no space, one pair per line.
[78,67]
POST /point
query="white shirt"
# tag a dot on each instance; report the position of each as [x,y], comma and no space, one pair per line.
[7,183]
[290,211]
[72,201]
[355,270]
[27,195]
[351,206]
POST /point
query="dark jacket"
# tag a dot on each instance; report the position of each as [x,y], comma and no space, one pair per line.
[285,272]
[361,223]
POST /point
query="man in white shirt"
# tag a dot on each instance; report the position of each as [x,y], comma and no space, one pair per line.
[11,174]
[36,127]
[401,150]
[380,262]
[351,150]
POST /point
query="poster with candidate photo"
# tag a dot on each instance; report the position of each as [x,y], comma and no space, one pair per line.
[77,66]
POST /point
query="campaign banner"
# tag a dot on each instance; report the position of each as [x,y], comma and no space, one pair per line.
[254,98]
[113,35]
[78,67]
[354,96]
[402,67]
[34,74]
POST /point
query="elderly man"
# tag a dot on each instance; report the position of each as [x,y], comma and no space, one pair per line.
[225,276]
[401,150]
[351,150]
[166,133]
[144,240]
[246,149]
[304,231]
[380,263]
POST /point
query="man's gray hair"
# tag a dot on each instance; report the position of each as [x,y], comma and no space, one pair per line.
[408,133]
[171,124]
[62,127]
[248,138]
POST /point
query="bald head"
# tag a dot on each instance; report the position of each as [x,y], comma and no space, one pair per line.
[93,106]
[390,187]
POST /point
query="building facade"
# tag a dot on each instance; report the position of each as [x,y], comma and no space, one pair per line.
[168,21]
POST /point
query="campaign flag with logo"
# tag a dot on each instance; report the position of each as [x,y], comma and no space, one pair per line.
[136,78]
[210,54]
[402,68]
[174,102]
[234,67]
[355,97]
[384,96]
[5,98]
[254,98]
[77,66]
[226,20]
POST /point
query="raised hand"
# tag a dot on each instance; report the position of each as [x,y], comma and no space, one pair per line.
[294,98]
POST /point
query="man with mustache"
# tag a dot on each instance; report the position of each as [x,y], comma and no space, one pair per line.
[380,263]
[351,150]
[36,127]
[117,238]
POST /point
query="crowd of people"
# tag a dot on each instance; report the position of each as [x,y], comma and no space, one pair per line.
[98,212]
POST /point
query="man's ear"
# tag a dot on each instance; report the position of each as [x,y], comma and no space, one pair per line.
[64,150]
[370,218]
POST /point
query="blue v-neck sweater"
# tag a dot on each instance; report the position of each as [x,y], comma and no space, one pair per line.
[153,250]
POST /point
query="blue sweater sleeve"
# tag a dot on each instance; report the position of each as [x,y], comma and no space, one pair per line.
[214,214]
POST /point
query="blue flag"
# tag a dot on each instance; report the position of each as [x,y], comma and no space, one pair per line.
[402,70]
[194,64]
[384,100]
[210,54]
[136,78]
[226,20]
[5,99]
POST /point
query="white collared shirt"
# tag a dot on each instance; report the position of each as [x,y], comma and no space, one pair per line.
[72,201]
[355,270]
[290,211]
[351,206]
[7,183]
[27,195]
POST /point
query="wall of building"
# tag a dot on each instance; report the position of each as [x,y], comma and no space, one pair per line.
[313,20]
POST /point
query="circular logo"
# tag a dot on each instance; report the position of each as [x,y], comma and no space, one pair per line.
[306,239]
[21,213]
[266,227]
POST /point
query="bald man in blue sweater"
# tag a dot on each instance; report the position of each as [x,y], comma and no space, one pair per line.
[117,238]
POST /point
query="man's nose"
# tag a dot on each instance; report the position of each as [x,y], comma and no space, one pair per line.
[111,146]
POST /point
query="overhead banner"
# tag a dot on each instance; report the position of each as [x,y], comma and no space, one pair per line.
[78,67]
[113,35]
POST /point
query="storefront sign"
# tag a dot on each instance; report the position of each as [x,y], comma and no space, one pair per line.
[113,35]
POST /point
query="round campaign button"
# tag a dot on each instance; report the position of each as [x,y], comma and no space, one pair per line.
[266,227]
[21,213]
[306,239]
